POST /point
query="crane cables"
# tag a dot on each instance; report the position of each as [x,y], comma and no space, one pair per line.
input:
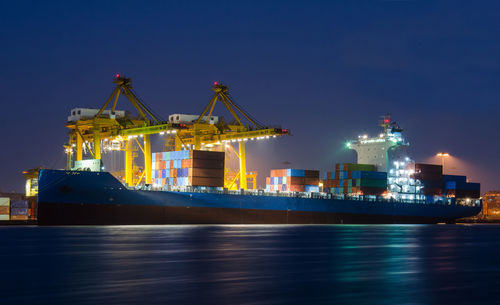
[259,124]
[146,106]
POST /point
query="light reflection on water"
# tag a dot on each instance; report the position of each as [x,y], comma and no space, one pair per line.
[338,264]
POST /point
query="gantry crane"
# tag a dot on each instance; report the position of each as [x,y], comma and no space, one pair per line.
[126,130]
[106,127]
[201,134]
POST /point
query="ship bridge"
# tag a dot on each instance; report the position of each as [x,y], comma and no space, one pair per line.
[383,149]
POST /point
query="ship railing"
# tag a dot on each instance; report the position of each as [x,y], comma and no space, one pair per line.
[312,195]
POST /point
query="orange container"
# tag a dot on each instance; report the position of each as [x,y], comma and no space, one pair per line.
[295,188]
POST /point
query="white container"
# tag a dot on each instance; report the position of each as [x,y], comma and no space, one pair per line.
[4,201]
[4,217]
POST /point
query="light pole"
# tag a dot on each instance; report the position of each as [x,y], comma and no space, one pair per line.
[442,155]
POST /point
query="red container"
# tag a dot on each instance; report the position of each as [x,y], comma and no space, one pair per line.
[295,188]
[206,172]
[311,181]
[311,174]
[295,180]
[206,155]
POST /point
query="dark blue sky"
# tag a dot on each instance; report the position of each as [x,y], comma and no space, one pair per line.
[327,70]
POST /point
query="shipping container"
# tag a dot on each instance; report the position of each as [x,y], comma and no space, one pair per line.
[455,178]
[18,211]
[19,217]
[19,204]
[5,217]
[5,210]
[4,201]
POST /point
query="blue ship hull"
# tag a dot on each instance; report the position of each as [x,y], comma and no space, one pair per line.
[97,198]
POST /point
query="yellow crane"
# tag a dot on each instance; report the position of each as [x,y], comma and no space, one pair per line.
[202,135]
[105,126]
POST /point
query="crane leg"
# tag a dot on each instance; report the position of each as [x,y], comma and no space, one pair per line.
[97,144]
[147,157]
[243,166]
[79,147]
[129,161]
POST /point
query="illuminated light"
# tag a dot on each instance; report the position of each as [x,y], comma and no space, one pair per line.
[233,140]
[239,140]
[365,136]
[117,75]
[267,137]
[386,121]
[142,135]
[174,131]
[168,131]
[227,145]
[218,143]
[162,133]
[441,154]
[274,136]
[216,83]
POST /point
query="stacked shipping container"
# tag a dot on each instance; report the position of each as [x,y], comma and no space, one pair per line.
[19,210]
[4,208]
[293,180]
[457,186]
[431,177]
[188,168]
[352,178]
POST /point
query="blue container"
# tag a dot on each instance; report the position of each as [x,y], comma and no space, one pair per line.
[450,185]
[295,172]
[21,204]
[341,182]
[469,186]
[460,179]
[153,174]
[18,211]
[311,188]
[283,188]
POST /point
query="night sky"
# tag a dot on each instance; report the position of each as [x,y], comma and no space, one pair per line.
[326,70]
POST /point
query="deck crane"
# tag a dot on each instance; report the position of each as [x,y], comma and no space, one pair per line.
[106,126]
[201,134]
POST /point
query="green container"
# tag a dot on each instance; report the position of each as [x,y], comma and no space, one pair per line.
[361,167]
[380,183]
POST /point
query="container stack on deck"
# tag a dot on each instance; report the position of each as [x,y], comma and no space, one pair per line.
[351,178]
[457,186]
[19,210]
[431,177]
[188,168]
[4,208]
[293,180]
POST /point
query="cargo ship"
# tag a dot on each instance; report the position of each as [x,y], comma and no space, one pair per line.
[186,187]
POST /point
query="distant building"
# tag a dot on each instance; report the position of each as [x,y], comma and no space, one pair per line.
[491,205]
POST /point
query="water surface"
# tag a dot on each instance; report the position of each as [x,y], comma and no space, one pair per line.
[337,264]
